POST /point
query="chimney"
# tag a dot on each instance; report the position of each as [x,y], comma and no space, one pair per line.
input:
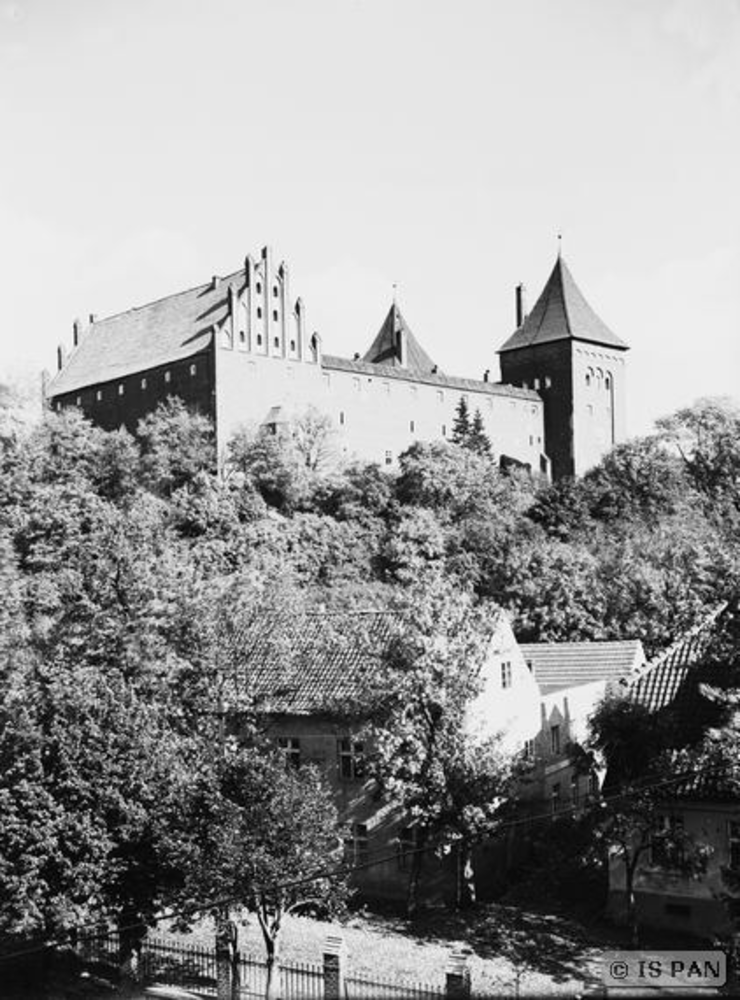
[521,305]
[215,280]
[76,332]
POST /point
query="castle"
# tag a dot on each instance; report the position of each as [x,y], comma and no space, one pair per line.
[239,350]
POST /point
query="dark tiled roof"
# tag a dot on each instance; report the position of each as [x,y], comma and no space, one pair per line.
[303,663]
[158,333]
[384,350]
[675,672]
[332,362]
[708,784]
[561,313]
[568,664]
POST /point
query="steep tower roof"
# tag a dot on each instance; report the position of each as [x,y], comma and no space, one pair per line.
[561,313]
[396,345]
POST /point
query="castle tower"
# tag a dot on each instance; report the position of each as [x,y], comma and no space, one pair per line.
[567,354]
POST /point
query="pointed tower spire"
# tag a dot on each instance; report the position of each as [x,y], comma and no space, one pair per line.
[396,345]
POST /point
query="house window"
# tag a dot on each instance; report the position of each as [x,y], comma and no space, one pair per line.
[356,845]
[120,388]
[193,369]
[389,458]
[440,396]
[666,849]
[593,783]
[290,747]
[506,674]
[536,383]
[351,759]
[555,797]
[79,401]
[555,739]
[733,843]
[408,841]
[548,382]
[356,384]
[143,383]
[98,396]
[528,750]
[574,789]
[168,376]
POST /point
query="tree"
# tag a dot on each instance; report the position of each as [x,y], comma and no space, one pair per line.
[449,784]
[461,423]
[313,434]
[176,445]
[629,820]
[477,440]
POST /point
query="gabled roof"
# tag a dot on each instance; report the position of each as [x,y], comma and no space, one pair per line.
[559,665]
[676,672]
[561,313]
[385,350]
[157,333]
[296,664]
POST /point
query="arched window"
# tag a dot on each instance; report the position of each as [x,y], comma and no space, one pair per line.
[608,381]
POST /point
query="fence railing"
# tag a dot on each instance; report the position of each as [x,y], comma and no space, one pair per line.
[195,968]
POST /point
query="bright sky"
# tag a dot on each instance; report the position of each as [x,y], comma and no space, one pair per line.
[148,144]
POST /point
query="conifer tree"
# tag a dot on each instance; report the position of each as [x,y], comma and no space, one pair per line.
[461,425]
[477,439]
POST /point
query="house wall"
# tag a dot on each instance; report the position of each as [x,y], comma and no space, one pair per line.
[669,900]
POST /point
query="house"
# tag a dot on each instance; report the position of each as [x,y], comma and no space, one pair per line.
[240,350]
[572,677]
[677,686]
[305,675]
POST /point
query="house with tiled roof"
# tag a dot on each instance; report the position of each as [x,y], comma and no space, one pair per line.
[572,678]
[307,677]
[565,351]
[239,348]
[679,688]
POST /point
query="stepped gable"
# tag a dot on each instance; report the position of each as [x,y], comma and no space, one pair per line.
[559,665]
[562,313]
[396,345]
[158,333]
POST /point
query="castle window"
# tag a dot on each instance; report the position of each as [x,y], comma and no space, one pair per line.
[258,288]
[168,376]
[528,750]
[444,430]
[259,340]
[276,341]
[389,458]
[120,388]
[341,417]
[590,410]
[290,747]
[531,439]
[242,337]
[506,674]
[98,396]
[259,312]
[356,384]
[351,759]
[440,396]
[292,345]
[143,383]
[607,382]
[274,291]
[193,369]
[599,374]
[387,387]
[274,315]
[412,426]
[588,377]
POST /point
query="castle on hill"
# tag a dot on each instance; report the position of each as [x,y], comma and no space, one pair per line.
[238,349]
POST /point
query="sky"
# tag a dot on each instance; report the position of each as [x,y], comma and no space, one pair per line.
[146,145]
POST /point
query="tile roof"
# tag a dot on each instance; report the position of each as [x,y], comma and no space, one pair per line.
[561,313]
[384,350]
[157,333]
[677,671]
[558,665]
[334,363]
[297,664]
